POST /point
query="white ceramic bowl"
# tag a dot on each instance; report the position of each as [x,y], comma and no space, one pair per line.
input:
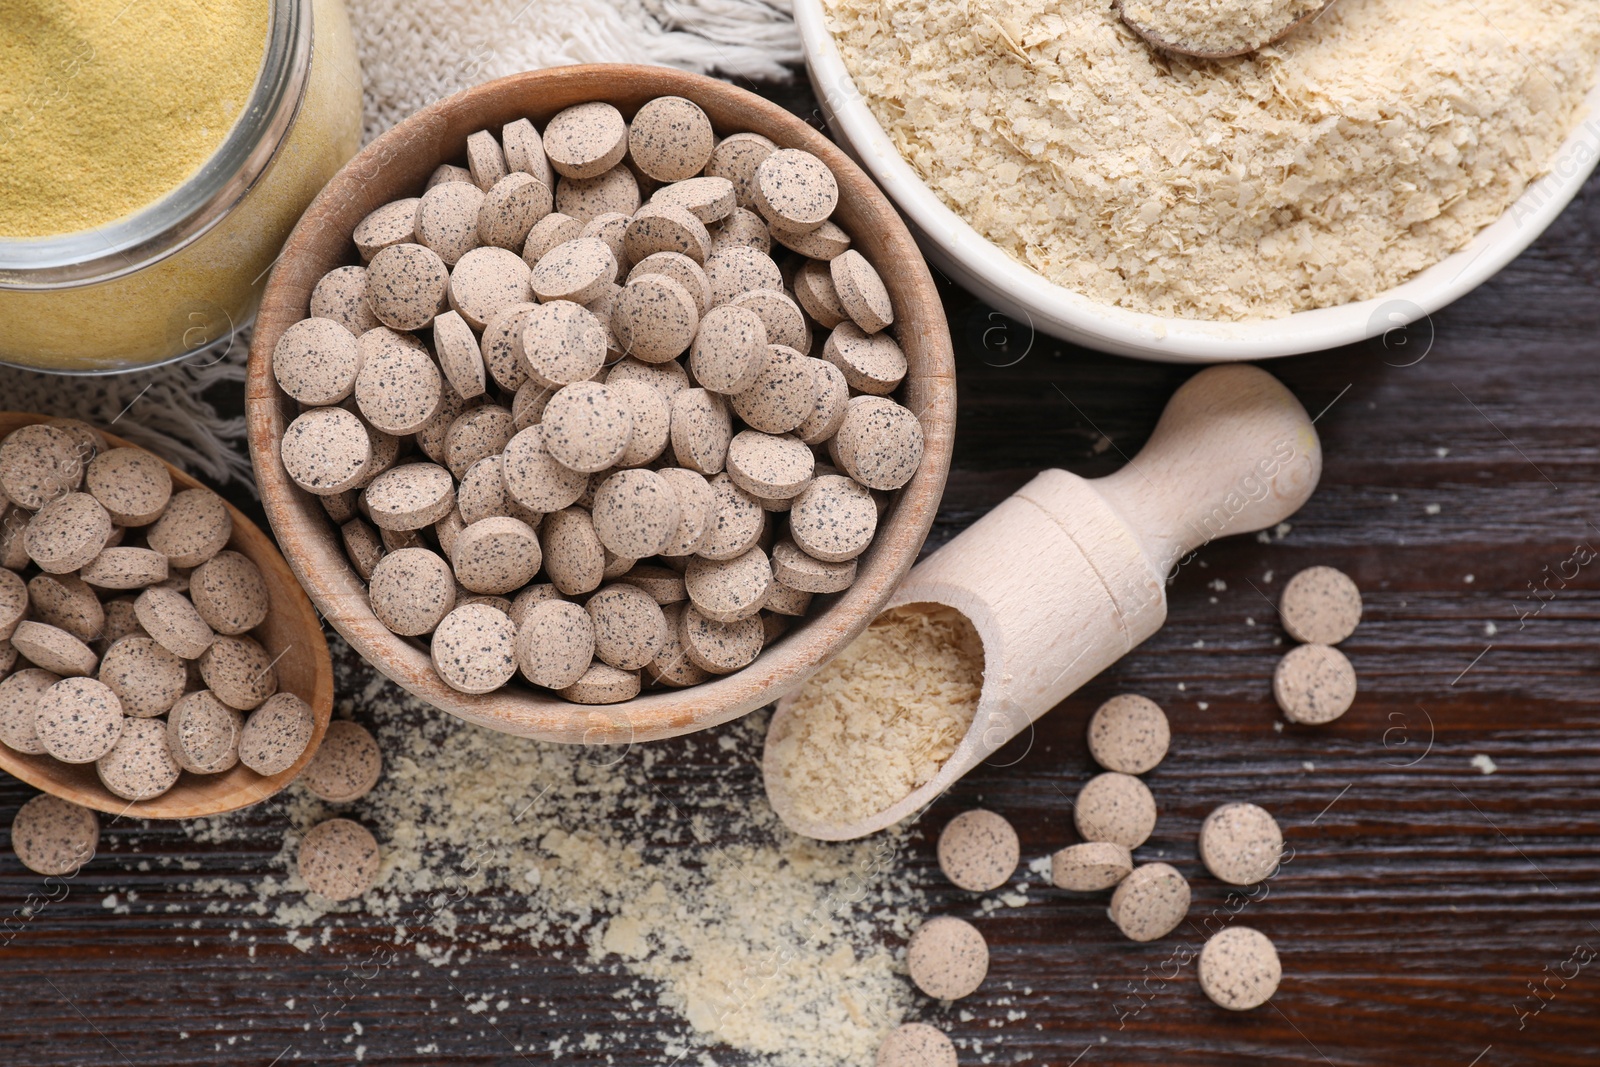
[973,262]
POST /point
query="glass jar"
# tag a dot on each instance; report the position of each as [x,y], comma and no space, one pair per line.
[178,278]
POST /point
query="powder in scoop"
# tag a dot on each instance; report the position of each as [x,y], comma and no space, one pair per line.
[882,718]
[107,105]
[1365,147]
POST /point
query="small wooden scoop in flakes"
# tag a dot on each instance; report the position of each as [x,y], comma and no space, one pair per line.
[1061,580]
[1217,29]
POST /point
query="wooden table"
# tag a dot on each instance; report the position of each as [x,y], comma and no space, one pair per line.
[1430,914]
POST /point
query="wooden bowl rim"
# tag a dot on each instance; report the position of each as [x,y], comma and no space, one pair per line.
[43,772]
[303,528]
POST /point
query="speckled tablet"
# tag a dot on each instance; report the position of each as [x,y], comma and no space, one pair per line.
[1241,844]
[39,463]
[487,281]
[731,589]
[410,496]
[388,225]
[736,270]
[78,720]
[171,619]
[586,427]
[1117,808]
[339,859]
[511,208]
[670,138]
[67,533]
[406,284]
[276,734]
[629,628]
[1321,606]
[585,199]
[341,295]
[239,671]
[447,219]
[53,648]
[140,766]
[782,395]
[203,733]
[495,555]
[1150,902]
[795,189]
[54,837]
[709,199]
[326,450]
[1239,968]
[61,600]
[534,478]
[737,157]
[861,292]
[916,1045]
[586,139]
[948,958]
[813,287]
[739,523]
[474,648]
[654,318]
[411,591]
[879,443]
[1090,866]
[578,270]
[979,850]
[561,343]
[730,349]
[574,558]
[346,765]
[794,568]
[1314,684]
[719,647]
[681,269]
[603,684]
[1129,733]
[398,388]
[19,697]
[770,466]
[147,679]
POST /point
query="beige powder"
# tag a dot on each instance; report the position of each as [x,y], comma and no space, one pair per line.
[1216,27]
[882,718]
[1328,168]
[738,932]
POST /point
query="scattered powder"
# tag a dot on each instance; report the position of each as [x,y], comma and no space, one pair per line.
[1362,149]
[1216,27]
[881,719]
[753,937]
[106,107]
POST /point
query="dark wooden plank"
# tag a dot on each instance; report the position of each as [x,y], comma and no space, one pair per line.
[1422,899]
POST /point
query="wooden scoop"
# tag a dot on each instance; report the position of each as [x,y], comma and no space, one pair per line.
[1231,33]
[1067,575]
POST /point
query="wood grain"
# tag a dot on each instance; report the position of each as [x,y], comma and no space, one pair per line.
[292,632]
[397,165]
[1420,901]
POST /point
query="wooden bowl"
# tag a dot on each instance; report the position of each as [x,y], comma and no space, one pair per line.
[305,669]
[397,165]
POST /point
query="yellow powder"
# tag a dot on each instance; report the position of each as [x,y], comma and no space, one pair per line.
[108,105]
[882,718]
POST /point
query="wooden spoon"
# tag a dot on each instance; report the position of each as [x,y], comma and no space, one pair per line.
[1230,34]
[1067,575]
[304,669]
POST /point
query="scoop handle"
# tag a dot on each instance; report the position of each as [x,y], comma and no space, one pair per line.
[1234,453]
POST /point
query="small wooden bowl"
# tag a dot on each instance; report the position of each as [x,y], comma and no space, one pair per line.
[305,669]
[396,165]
